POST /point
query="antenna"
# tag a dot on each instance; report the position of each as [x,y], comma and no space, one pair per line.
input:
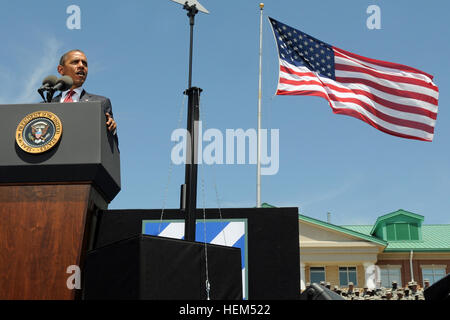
[191,3]
[192,7]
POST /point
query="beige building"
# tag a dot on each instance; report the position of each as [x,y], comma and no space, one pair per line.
[398,247]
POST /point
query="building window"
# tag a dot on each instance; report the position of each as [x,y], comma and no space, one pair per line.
[402,231]
[433,273]
[316,274]
[390,274]
[346,275]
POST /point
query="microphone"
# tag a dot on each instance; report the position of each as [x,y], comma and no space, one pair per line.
[62,84]
[47,84]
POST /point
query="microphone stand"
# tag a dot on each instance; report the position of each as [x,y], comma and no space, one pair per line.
[41,92]
[50,93]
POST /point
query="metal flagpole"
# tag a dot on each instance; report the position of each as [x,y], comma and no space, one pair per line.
[258,165]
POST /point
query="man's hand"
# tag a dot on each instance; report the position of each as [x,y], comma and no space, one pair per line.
[110,123]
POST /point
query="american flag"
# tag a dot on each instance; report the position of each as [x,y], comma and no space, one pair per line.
[394,98]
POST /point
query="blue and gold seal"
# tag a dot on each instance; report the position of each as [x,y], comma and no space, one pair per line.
[38,132]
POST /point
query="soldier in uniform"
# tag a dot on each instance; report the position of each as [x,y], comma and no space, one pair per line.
[394,286]
[380,291]
[400,294]
[356,296]
[413,287]
[364,293]
[388,294]
[407,296]
[369,295]
[350,289]
[394,289]
[419,293]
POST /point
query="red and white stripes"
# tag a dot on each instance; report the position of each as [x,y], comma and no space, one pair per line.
[394,98]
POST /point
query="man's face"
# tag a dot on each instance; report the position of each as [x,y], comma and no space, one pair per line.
[76,67]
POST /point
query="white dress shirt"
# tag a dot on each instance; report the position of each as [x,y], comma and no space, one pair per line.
[75,96]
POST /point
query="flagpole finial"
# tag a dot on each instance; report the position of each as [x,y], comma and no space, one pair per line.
[261,5]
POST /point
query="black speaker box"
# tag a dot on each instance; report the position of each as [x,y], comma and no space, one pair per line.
[156,268]
[440,290]
[317,292]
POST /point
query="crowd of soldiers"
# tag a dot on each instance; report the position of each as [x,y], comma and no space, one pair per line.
[411,292]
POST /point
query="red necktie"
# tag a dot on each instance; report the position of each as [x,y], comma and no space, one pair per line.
[69,96]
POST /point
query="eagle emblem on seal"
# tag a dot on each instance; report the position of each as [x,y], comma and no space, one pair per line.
[39,132]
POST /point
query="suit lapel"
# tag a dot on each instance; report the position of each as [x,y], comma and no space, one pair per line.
[84,96]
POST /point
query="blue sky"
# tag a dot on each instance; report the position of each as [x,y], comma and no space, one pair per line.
[138,54]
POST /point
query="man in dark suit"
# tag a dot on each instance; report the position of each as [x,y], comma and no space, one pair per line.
[74,64]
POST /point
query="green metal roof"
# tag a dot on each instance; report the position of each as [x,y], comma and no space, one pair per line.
[266,205]
[365,229]
[435,238]
[350,232]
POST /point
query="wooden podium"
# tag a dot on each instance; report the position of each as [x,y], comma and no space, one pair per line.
[49,201]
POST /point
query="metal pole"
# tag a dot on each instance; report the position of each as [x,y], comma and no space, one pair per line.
[258,165]
[192,162]
[193,117]
[192,11]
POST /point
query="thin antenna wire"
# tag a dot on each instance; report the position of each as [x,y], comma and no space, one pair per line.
[219,206]
[169,175]
[207,283]
[205,126]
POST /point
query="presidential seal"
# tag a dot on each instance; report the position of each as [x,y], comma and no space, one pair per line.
[38,132]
